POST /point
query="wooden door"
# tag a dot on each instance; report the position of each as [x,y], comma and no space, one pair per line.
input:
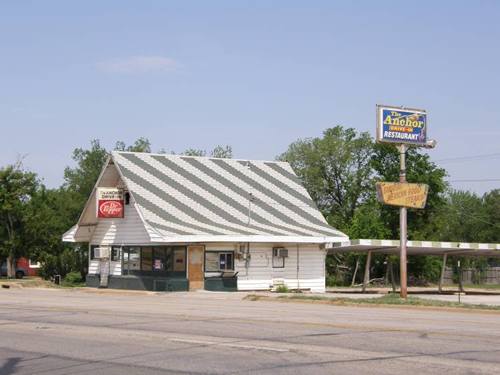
[196,274]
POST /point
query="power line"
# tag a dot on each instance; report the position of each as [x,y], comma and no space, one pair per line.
[468,158]
[477,180]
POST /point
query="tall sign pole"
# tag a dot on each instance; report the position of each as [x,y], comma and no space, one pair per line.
[403,127]
[403,236]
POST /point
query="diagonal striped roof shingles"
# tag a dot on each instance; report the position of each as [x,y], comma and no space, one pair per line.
[180,195]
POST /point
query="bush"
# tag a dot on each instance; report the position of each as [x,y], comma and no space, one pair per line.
[282,289]
[60,264]
[332,280]
[73,278]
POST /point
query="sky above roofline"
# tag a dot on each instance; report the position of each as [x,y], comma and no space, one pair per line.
[254,75]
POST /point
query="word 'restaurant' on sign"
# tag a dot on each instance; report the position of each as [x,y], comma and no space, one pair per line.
[401,125]
[402,194]
[110,203]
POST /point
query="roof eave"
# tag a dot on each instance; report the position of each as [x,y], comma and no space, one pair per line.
[251,239]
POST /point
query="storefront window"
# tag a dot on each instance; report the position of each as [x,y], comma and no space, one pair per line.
[218,261]
[154,260]
[147,259]
[161,259]
[131,259]
[179,259]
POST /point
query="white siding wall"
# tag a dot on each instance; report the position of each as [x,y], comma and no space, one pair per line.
[115,267]
[119,232]
[260,273]
[94,267]
[127,231]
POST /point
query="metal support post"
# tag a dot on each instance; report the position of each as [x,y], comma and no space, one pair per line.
[443,269]
[460,282]
[402,225]
[366,278]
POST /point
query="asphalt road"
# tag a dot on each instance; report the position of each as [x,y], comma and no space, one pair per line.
[46,331]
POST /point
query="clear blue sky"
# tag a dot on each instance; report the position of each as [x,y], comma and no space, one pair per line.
[256,75]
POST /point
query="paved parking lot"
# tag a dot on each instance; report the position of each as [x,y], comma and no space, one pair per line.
[77,332]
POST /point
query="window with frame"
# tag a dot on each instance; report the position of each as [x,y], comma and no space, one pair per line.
[278,261]
[154,260]
[131,259]
[179,259]
[115,253]
[219,261]
[92,248]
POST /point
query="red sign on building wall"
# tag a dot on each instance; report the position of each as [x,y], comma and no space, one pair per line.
[110,203]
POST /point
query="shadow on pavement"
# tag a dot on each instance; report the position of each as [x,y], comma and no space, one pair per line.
[9,367]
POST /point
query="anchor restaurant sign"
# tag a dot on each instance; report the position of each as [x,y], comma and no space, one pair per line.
[402,194]
[401,125]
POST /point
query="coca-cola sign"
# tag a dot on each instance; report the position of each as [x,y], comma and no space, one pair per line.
[110,203]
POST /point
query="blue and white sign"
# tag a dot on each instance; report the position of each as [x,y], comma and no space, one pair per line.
[401,125]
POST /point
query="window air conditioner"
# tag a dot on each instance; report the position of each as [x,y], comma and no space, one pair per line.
[101,252]
[280,252]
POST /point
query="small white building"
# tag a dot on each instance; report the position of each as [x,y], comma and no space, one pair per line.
[168,222]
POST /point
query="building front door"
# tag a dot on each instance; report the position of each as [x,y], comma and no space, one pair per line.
[196,274]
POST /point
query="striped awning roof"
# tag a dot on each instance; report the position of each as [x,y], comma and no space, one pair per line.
[417,247]
[192,197]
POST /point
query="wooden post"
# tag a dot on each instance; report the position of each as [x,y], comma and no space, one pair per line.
[355,272]
[443,269]
[366,279]
[393,282]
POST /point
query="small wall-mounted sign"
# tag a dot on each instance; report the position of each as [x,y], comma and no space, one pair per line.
[402,194]
[110,203]
[157,265]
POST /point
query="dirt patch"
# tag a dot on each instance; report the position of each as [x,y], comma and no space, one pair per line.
[31,282]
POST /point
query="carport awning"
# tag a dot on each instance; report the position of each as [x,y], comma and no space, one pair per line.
[416,247]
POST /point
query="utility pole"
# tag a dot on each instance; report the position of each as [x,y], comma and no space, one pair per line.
[402,225]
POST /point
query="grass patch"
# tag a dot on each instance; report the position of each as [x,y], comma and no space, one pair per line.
[482,286]
[388,299]
[73,280]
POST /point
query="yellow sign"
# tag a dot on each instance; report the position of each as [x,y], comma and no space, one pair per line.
[402,194]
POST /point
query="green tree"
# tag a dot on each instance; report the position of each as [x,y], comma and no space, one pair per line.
[50,213]
[419,169]
[81,179]
[490,231]
[223,152]
[194,152]
[140,145]
[462,218]
[17,188]
[335,170]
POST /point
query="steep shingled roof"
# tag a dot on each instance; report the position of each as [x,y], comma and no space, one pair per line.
[180,196]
